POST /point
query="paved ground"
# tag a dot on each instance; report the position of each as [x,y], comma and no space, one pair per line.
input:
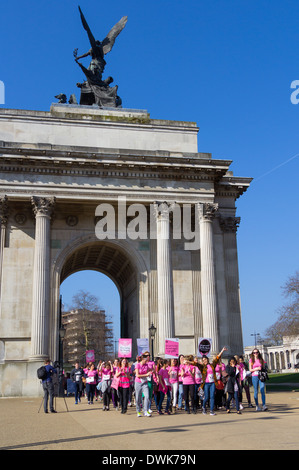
[85,427]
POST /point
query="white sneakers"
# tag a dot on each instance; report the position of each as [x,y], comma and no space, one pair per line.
[146,414]
[257,408]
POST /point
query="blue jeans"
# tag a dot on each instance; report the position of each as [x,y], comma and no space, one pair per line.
[209,389]
[234,395]
[162,395]
[181,395]
[78,391]
[256,384]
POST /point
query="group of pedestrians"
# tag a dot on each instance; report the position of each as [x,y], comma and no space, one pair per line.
[188,383]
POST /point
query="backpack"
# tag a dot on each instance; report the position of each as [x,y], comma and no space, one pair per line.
[42,373]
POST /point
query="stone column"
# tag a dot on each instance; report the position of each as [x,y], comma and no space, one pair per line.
[229,227]
[43,208]
[3,225]
[165,327]
[153,287]
[207,213]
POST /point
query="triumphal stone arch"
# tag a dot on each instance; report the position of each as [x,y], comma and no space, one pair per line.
[115,191]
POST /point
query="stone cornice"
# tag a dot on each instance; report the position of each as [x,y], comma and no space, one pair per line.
[48,159]
[232,186]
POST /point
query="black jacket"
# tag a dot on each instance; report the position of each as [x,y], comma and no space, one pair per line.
[234,378]
[77,374]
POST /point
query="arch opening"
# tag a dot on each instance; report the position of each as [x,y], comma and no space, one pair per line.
[116,260]
[102,328]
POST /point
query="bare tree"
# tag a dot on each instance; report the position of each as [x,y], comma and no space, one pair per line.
[288,320]
[87,328]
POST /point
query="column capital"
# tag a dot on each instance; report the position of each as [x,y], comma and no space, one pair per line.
[162,209]
[43,205]
[4,212]
[229,224]
[207,211]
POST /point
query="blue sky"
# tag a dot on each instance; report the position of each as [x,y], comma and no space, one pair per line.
[228,65]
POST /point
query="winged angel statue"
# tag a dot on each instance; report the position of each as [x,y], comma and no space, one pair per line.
[95,90]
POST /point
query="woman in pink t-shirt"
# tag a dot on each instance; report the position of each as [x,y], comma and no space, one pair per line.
[181,389]
[208,381]
[107,370]
[257,363]
[91,382]
[123,373]
[188,375]
[164,387]
[174,381]
[243,368]
[142,372]
[114,392]
[219,391]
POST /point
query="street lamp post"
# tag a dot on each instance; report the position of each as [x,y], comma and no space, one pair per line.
[62,332]
[152,331]
[255,336]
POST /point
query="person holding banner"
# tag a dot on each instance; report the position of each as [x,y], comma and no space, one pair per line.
[209,380]
[142,372]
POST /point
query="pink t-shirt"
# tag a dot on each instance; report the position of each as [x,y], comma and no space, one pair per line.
[91,377]
[173,374]
[210,375]
[124,377]
[257,363]
[188,378]
[106,374]
[151,364]
[197,376]
[218,369]
[163,373]
[142,369]
[180,377]
[242,370]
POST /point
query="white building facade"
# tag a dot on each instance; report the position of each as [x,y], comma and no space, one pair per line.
[282,358]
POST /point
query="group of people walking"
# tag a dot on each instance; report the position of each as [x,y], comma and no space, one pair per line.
[188,383]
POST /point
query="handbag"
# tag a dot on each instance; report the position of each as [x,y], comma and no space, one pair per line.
[262,375]
[219,385]
[201,394]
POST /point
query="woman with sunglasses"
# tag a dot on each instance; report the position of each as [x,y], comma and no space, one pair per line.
[257,363]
